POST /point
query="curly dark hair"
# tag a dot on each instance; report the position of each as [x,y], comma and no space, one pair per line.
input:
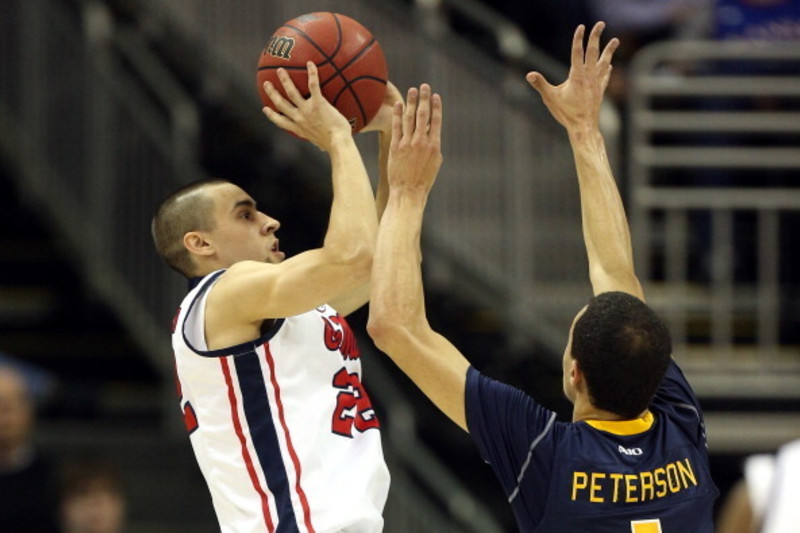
[623,349]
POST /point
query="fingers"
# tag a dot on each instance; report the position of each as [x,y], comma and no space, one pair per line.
[577,46]
[291,91]
[278,119]
[593,46]
[436,118]
[283,107]
[411,111]
[423,109]
[608,52]
[397,122]
[313,79]
[288,85]
[537,81]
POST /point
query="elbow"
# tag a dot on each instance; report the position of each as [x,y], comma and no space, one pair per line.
[621,279]
[357,257]
[387,334]
[360,260]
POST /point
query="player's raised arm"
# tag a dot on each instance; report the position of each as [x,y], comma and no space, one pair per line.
[382,124]
[576,104]
[257,291]
[397,321]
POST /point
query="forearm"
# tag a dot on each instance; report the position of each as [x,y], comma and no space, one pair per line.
[382,192]
[353,224]
[396,273]
[397,321]
[605,227]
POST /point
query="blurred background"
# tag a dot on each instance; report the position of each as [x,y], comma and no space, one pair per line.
[107,106]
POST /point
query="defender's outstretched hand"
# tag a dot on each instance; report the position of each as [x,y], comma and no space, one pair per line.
[415,155]
[577,101]
[312,118]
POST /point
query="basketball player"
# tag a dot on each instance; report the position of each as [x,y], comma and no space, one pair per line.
[634,456]
[268,371]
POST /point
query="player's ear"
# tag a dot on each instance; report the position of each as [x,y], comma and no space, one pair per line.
[575,373]
[197,243]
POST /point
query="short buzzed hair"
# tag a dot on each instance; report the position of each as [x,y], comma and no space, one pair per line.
[187,209]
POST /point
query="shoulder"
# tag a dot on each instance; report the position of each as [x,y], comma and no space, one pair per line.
[495,408]
[676,401]
[675,392]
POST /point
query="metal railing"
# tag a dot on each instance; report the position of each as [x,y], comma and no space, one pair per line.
[714,171]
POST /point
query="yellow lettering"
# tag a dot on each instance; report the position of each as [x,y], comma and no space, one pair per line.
[637,487]
[579,482]
[646,482]
[687,474]
[660,474]
[593,490]
[672,478]
[630,488]
[616,478]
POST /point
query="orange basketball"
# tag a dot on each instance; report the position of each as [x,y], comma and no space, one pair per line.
[352,68]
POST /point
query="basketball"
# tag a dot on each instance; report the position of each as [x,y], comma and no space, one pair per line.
[352,68]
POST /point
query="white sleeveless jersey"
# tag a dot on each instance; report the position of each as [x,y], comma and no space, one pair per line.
[283,431]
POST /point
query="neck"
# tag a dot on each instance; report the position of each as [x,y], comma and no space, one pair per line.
[584,410]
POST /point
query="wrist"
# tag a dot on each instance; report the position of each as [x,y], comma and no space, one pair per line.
[408,194]
[585,135]
[340,140]
[384,139]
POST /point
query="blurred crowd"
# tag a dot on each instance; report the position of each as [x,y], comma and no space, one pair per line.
[40,490]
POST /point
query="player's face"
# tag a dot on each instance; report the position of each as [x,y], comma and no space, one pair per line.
[241,231]
[568,362]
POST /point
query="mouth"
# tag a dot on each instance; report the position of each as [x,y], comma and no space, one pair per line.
[276,251]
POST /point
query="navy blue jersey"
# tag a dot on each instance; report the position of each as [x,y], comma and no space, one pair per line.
[648,475]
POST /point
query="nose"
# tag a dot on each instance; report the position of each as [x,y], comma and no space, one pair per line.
[271,225]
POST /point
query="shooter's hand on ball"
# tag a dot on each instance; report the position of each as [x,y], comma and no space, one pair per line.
[312,118]
[382,121]
[415,154]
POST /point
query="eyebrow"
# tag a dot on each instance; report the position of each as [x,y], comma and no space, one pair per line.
[246,203]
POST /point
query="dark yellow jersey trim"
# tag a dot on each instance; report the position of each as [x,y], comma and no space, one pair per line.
[624,427]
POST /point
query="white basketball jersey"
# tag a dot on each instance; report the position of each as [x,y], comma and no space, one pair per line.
[283,431]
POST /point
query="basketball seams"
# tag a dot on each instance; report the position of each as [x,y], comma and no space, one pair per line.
[341,38]
[308,34]
[311,41]
[349,83]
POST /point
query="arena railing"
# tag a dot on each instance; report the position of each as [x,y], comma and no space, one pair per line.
[714,172]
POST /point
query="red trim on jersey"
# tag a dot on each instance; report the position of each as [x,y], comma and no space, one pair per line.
[242,441]
[295,461]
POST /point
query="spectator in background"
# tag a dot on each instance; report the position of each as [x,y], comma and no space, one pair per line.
[27,475]
[92,497]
